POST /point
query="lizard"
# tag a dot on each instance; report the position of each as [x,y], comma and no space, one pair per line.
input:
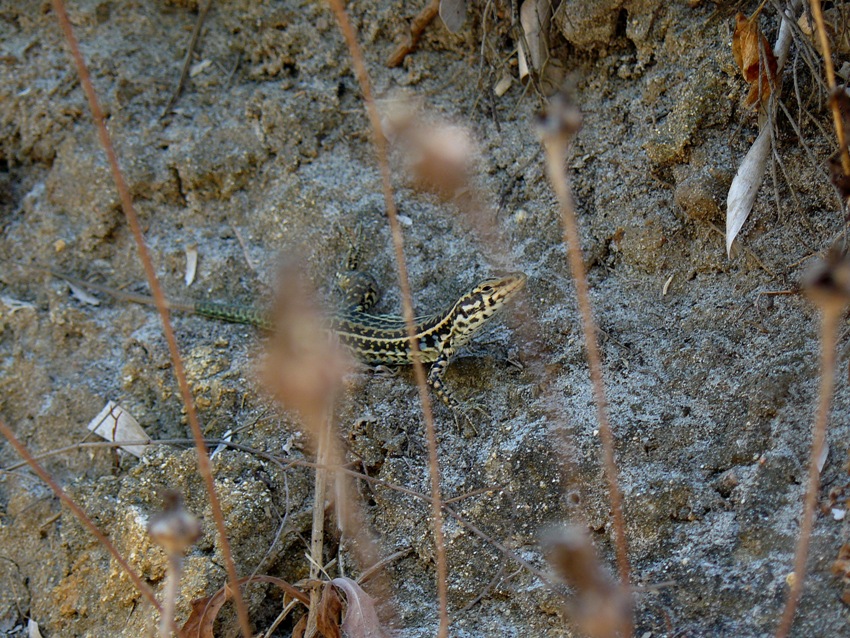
[371,338]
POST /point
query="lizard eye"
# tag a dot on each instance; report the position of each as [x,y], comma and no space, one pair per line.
[487,289]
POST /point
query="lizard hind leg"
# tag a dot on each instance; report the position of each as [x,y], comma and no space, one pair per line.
[359,290]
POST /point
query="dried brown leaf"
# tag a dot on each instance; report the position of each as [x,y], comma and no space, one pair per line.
[841,566]
[205,610]
[329,613]
[300,628]
[361,618]
[748,47]
[836,20]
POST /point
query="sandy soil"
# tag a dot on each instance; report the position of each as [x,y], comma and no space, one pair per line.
[711,385]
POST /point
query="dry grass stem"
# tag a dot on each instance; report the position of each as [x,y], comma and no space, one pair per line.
[407,307]
[187,60]
[317,538]
[175,530]
[829,289]
[304,370]
[829,71]
[560,124]
[159,298]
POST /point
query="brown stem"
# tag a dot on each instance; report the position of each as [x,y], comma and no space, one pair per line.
[159,297]
[832,314]
[555,151]
[317,539]
[417,28]
[829,70]
[407,308]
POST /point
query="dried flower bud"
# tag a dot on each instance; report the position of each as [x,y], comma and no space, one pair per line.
[561,120]
[600,608]
[175,529]
[827,283]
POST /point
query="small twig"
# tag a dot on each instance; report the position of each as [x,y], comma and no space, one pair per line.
[161,305]
[417,28]
[233,70]
[749,252]
[546,579]
[466,495]
[317,538]
[487,588]
[280,618]
[377,567]
[244,247]
[187,61]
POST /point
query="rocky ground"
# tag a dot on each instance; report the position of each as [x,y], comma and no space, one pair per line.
[267,153]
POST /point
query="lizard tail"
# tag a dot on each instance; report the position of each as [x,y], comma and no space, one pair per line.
[115,293]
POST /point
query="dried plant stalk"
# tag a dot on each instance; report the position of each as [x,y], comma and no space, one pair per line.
[829,71]
[557,130]
[156,291]
[829,289]
[407,308]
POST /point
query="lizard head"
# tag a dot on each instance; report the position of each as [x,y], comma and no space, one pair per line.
[481,303]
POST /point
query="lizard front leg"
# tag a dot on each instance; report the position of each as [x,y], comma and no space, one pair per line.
[435,380]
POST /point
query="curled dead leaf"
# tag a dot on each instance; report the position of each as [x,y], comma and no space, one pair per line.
[361,617]
[329,613]
[745,186]
[754,56]
[205,610]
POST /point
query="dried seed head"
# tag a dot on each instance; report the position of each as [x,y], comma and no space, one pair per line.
[441,159]
[174,528]
[560,121]
[599,608]
[439,155]
[303,366]
[827,283]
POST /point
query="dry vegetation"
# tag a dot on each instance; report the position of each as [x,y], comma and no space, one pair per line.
[644,471]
